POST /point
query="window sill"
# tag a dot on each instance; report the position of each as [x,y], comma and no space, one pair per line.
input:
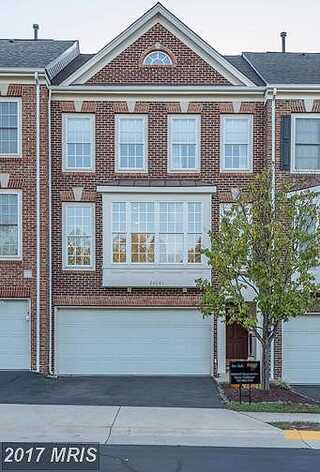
[10,156]
[78,171]
[305,171]
[131,171]
[78,269]
[236,171]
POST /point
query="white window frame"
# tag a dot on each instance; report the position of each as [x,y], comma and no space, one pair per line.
[154,275]
[20,227]
[81,268]
[18,154]
[157,65]
[225,117]
[65,118]
[195,169]
[294,117]
[126,170]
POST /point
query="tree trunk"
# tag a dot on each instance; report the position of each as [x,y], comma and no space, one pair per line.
[265,365]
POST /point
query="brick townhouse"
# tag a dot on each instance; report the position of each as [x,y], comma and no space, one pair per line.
[113,168]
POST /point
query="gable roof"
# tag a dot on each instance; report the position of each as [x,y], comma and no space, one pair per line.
[286,68]
[31,54]
[243,66]
[158,14]
[71,68]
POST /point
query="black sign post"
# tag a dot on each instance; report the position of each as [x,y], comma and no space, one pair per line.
[245,372]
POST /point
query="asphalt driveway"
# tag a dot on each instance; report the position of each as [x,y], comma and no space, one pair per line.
[310,391]
[33,389]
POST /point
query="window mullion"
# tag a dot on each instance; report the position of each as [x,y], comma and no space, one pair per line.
[128,233]
[157,232]
[185,232]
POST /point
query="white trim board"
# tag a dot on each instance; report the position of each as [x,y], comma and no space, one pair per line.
[155,189]
[158,14]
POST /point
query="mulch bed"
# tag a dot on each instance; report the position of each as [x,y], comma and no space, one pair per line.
[276,394]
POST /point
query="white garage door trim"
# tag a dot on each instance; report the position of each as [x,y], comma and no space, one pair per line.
[25,361]
[64,366]
[300,352]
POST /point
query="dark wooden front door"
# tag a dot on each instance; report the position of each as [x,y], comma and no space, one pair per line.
[237,342]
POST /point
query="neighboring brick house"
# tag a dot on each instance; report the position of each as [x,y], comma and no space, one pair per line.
[142,146]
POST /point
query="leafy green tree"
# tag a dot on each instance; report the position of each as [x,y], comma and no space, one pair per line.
[268,243]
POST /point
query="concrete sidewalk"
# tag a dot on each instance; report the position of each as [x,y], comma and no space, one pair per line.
[138,425]
[286,417]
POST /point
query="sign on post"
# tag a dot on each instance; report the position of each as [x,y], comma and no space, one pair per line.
[245,372]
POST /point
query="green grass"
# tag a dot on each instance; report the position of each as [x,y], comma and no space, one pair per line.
[273,407]
[299,425]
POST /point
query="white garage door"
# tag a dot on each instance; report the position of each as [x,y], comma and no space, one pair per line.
[133,342]
[14,335]
[301,350]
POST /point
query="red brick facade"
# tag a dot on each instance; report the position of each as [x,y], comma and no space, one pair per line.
[84,288]
[188,68]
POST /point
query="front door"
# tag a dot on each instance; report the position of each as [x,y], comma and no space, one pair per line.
[237,342]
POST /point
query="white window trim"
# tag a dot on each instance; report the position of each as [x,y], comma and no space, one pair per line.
[196,169]
[19,133]
[107,239]
[18,257]
[156,65]
[125,170]
[81,268]
[294,117]
[250,143]
[65,118]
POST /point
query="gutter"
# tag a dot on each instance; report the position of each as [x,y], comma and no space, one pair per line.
[156,90]
[38,209]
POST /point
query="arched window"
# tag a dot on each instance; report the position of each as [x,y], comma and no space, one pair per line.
[157,58]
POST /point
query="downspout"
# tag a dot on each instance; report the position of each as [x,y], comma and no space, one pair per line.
[273,148]
[50,235]
[273,186]
[38,209]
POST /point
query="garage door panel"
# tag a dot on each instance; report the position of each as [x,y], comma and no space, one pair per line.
[301,350]
[145,342]
[14,335]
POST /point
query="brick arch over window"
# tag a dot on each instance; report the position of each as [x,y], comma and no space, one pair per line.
[189,68]
[158,47]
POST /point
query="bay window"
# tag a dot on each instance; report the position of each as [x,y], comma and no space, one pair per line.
[153,237]
[156,232]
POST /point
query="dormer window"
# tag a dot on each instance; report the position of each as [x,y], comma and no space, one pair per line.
[157,58]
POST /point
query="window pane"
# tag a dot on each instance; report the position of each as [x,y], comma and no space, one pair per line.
[131,143]
[307,157]
[8,128]
[8,240]
[79,143]
[183,143]
[142,217]
[307,131]
[79,235]
[194,217]
[194,248]
[157,58]
[119,248]
[171,217]
[236,131]
[142,248]
[171,248]
[119,217]
[9,225]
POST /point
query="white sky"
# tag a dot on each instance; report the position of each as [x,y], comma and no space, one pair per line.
[230,26]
